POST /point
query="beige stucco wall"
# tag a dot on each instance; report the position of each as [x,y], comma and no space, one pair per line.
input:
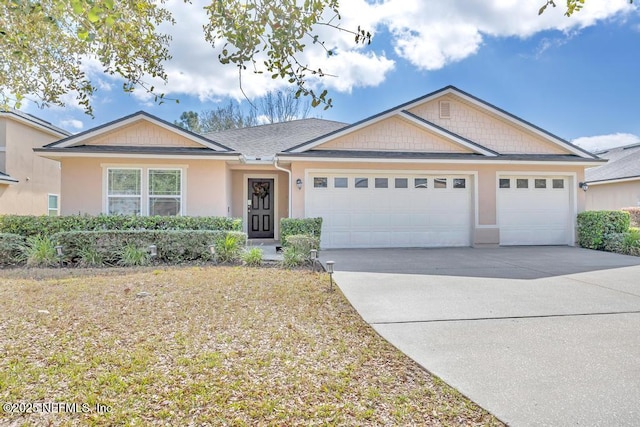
[484,128]
[486,230]
[239,177]
[205,184]
[38,177]
[613,196]
[394,134]
[143,133]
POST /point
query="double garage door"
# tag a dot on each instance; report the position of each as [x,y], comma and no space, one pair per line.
[391,210]
[369,210]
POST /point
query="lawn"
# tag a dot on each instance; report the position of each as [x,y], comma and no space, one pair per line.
[206,346]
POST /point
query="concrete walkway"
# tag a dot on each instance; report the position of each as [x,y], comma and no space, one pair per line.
[536,335]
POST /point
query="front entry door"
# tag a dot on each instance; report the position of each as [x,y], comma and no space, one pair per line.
[260,209]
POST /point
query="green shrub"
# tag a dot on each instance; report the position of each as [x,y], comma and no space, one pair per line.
[173,246]
[631,243]
[634,215]
[11,249]
[593,226]
[295,226]
[48,225]
[298,251]
[132,255]
[228,248]
[614,242]
[252,257]
[40,252]
[90,257]
[293,257]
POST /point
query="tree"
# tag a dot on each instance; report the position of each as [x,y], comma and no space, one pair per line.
[283,107]
[45,43]
[189,120]
[229,117]
[572,6]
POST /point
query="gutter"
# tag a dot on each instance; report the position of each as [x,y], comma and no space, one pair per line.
[275,165]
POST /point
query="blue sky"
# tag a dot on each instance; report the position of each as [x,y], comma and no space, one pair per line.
[576,77]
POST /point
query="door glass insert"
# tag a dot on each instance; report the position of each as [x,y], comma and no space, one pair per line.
[522,183]
[540,183]
[340,182]
[440,183]
[362,182]
[402,183]
[505,183]
[320,182]
[459,183]
[382,182]
[420,182]
[558,183]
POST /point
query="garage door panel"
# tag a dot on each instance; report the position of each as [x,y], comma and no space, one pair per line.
[534,216]
[391,217]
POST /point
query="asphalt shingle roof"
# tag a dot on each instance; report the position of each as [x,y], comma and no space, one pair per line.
[267,140]
[624,162]
[6,178]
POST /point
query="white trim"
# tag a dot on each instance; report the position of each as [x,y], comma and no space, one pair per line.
[613,181]
[245,192]
[573,194]
[50,154]
[57,202]
[453,138]
[32,123]
[437,161]
[74,140]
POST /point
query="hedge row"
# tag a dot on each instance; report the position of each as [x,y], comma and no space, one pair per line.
[594,226]
[634,215]
[27,226]
[296,226]
[11,249]
[173,246]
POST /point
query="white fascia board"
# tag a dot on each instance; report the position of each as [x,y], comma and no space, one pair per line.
[613,181]
[435,161]
[61,154]
[126,122]
[448,136]
[34,124]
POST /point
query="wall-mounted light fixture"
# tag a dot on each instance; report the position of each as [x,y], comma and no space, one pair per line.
[584,186]
[299,183]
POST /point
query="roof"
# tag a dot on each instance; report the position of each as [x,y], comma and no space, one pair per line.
[624,163]
[6,179]
[140,115]
[266,140]
[401,109]
[203,151]
[33,120]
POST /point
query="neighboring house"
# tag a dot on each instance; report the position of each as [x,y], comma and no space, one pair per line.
[616,184]
[29,184]
[446,169]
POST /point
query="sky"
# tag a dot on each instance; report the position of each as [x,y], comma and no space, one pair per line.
[577,77]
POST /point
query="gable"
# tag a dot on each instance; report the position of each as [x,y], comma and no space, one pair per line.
[485,128]
[142,134]
[393,134]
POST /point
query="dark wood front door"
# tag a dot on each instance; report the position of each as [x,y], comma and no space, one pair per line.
[260,209]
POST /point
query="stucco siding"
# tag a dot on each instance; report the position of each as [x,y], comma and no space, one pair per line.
[613,196]
[38,177]
[485,128]
[204,184]
[143,134]
[394,134]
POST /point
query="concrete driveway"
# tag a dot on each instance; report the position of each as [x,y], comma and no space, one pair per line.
[536,335]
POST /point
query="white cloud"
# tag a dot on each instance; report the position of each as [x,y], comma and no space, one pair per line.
[430,35]
[605,142]
[71,123]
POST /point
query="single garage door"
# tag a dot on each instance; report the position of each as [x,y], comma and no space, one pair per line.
[370,210]
[534,210]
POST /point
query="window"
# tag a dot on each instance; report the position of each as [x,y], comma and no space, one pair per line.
[540,183]
[340,182]
[320,182]
[402,183]
[54,209]
[558,183]
[459,183]
[440,183]
[362,182]
[505,183]
[382,182]
[153,191]
[420,182]
[522,183]
[124,191]
[165,192]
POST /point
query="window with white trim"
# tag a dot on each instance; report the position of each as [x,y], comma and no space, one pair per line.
[53,206]
[144,191]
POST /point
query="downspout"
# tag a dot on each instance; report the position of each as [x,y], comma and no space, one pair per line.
[275,164]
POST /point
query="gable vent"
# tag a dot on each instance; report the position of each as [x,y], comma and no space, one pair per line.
[445,109]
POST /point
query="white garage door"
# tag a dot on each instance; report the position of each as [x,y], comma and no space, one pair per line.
[390,210]
[534,210]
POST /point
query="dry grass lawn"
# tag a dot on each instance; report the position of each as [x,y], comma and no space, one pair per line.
[207,346]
